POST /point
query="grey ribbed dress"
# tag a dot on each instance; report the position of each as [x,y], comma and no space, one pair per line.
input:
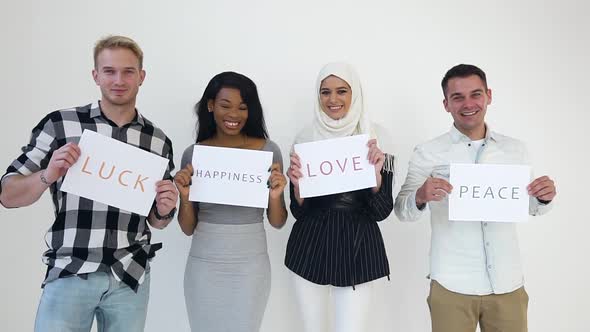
[227,276]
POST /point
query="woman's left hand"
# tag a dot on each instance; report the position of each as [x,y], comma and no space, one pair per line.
[376,157]
[276,181]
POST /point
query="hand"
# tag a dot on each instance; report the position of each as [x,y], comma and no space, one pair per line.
[433,189]
[182,179]
[166,196]
[61,160]
[276,181]
[375,156]
[294,172]
[542,188]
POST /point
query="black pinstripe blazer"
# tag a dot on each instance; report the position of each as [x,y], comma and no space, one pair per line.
[336,239]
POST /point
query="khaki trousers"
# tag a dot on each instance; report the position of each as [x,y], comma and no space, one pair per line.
[455,312]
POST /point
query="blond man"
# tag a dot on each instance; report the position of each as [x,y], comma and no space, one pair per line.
[98,255]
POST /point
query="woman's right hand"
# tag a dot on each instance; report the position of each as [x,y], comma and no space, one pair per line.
[182,179]
[294,172]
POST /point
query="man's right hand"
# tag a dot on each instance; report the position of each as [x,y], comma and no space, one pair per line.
[433,189]
[61,160]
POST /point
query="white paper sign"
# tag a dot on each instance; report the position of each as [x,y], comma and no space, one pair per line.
[485,192]
[335,166]
[115,173]
[230,176]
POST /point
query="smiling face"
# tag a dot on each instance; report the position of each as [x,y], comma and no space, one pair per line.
[467,99]
[230,112]
[119,76]
[335,97]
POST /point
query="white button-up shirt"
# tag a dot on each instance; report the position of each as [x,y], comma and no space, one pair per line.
[475,258]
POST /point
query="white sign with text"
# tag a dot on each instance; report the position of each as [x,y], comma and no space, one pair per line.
[486,192]
[230,176]
[115,173]
[335,166]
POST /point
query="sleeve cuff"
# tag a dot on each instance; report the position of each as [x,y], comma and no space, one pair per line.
[414,210]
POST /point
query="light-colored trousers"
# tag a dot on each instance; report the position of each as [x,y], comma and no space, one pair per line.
[454,312]
[350,308]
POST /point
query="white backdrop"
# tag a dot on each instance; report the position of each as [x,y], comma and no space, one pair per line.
[535,54]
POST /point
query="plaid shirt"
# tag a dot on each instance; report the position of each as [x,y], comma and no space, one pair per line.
[89,236]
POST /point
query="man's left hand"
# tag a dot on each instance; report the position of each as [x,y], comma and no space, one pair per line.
[542,188]
[166,197]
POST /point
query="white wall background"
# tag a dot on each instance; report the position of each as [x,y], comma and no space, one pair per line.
[535,54]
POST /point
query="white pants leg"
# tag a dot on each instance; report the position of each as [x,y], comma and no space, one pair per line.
[313,304]
[350,307]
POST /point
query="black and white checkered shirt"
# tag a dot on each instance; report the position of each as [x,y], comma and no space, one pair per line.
[89,236]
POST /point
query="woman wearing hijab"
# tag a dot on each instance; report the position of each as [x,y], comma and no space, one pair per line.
[335,248]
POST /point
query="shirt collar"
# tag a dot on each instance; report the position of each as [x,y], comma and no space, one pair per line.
[458,136]
[95,111]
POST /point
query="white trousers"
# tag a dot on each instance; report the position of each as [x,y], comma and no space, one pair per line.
[349,308]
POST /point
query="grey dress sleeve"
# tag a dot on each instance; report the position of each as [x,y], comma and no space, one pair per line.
[187,156]
[277,157]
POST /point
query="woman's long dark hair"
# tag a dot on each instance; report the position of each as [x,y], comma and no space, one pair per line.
[255,125]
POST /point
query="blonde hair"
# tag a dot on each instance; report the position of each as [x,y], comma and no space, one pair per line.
[112,42]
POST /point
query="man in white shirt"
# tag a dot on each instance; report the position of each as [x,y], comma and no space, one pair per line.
[475,267]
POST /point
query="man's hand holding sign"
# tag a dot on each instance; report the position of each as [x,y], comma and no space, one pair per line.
[114,173]
[484,192]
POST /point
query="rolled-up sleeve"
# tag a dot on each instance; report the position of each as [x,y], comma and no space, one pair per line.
[405,203]
[36,154]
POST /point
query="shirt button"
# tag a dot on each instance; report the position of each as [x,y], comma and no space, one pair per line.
[485,224]
[487,243]
[489,267]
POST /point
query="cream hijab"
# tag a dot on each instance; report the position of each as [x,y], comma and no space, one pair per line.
[355,122]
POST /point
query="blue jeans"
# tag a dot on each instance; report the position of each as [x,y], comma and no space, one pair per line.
[70,305]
